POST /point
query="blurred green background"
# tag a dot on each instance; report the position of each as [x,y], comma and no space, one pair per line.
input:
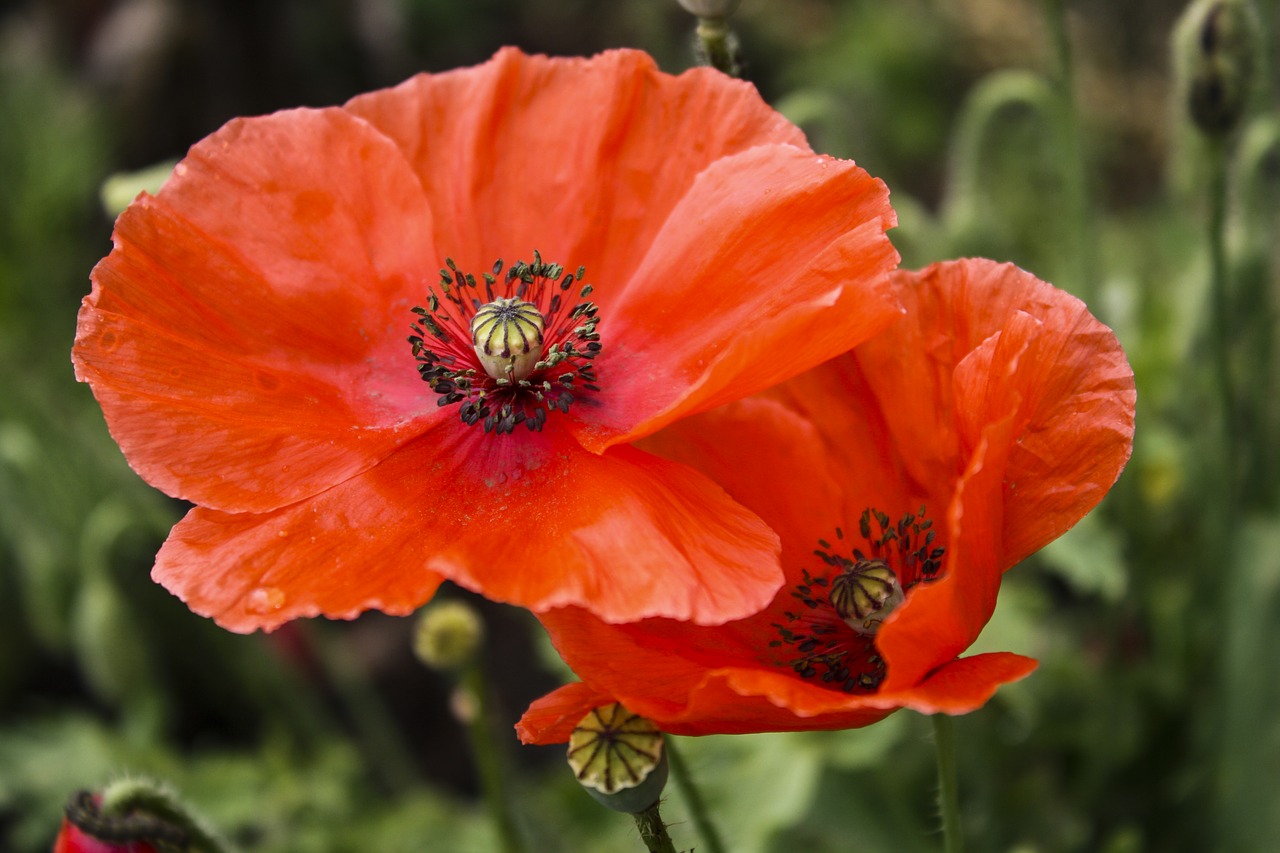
[1151,724]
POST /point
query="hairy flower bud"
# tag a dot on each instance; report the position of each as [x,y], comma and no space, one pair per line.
[1215,51]
[448,635]
[131,816]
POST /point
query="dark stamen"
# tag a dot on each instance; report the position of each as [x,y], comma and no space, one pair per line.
[442,344]
[856,587]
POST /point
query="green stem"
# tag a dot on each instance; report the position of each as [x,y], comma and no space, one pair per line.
[1075,174]
[948,787]
[378,733]
[489,763]
[1221,304]
[719,45]
[693,799]
[653,832]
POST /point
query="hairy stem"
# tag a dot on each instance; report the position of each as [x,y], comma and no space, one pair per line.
[948,788]
[653,832]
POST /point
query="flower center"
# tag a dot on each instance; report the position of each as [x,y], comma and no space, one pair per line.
[507,336]
[864,595]
[508,351]
[833,638]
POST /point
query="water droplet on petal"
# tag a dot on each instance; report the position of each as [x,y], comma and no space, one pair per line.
[265,599]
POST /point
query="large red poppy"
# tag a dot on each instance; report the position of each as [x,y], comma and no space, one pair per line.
[993,416]
[247,338]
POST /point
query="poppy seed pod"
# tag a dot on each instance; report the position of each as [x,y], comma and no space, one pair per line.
[619,758]
[1216,50]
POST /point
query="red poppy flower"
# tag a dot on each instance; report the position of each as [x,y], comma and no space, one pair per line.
[246,338]
[904,478]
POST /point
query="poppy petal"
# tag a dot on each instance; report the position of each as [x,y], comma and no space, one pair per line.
[1074,431]
[553,718]
[509,143]
[813,228]
[694,680]
[757,450]
[962,685]
[1074,395]
[745,701]
[939,620]
[246,335]
[936,410]
[943,618]
[531,519]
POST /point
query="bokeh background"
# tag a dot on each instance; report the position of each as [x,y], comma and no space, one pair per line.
[1151,724]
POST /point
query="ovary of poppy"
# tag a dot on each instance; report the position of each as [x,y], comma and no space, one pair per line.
[994,415]
[248,338]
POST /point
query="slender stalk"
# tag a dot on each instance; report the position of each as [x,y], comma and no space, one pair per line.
[1075,173]
[489,763]
[653,832]
[378,733]
[1220,289]
[719,46]
[693,799]
[948,787]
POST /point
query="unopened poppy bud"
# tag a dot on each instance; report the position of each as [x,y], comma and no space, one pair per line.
[618,757]
[73,839]
[448,635]
[131,816]
[864,595]
[1215,47]
[507,335]
[711,8]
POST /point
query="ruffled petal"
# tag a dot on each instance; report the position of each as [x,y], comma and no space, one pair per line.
[326,556]
[1073,394]
[939,620]
[695,680]
[962,685]
[673,230]
[553,718]
[943,618]
[933,411]
[644,667]
[743,286]
[1074,428]
[746,701]
[758,450]
[531,519]
[246,336]
[513,159]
